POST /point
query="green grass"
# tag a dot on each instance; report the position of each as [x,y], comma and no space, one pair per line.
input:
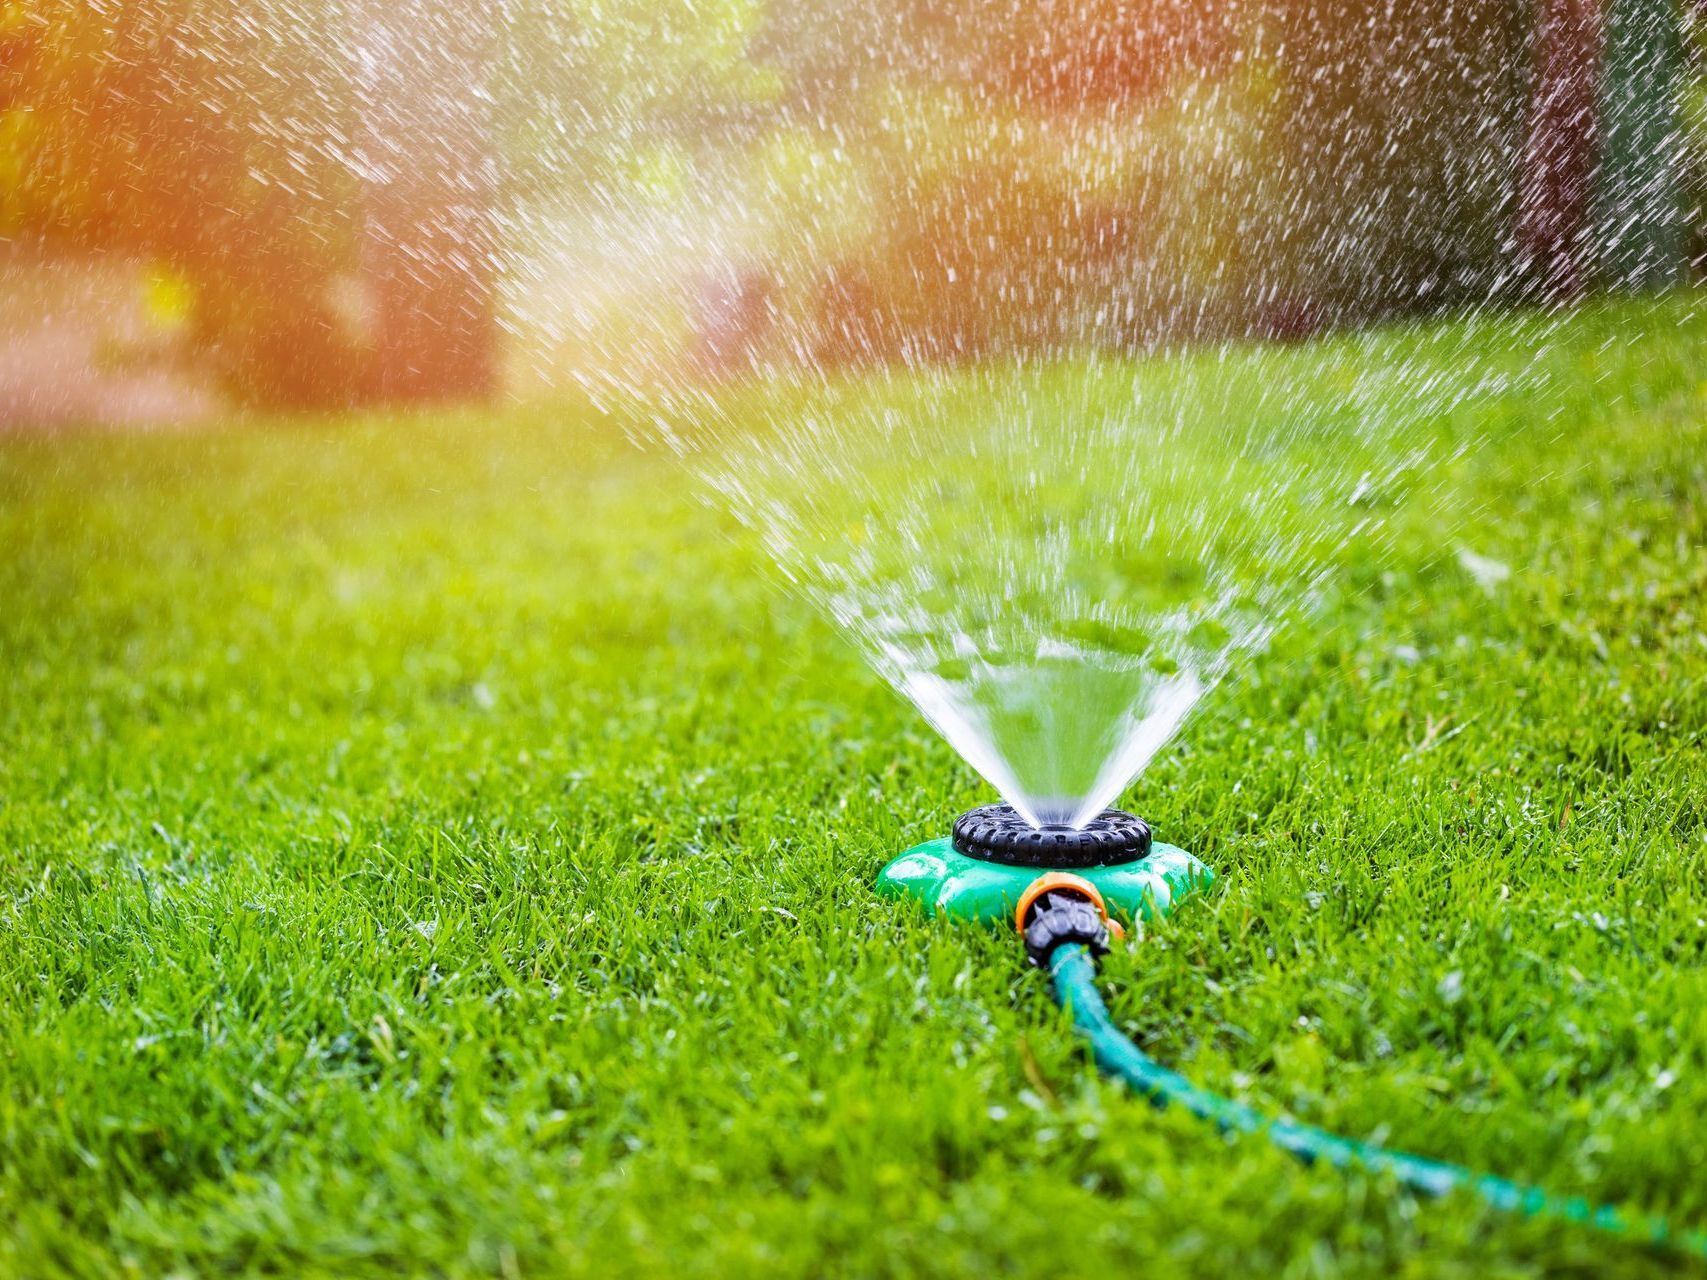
[432,846]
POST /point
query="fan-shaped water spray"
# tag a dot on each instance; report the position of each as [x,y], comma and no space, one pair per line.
[1054,562]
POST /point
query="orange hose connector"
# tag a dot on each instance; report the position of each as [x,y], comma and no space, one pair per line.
[1072,884]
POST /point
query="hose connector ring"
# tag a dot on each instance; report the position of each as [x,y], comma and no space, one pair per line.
[1059,907]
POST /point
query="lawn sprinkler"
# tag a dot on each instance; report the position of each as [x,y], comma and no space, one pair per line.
[1068,892]
[994,856]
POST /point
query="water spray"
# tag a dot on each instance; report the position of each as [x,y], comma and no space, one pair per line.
[1067,892]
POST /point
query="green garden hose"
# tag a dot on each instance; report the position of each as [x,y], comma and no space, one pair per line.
[1072,969]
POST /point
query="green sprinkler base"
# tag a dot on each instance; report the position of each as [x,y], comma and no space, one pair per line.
[947,882]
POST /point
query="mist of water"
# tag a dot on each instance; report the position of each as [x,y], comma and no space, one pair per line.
[1055,561]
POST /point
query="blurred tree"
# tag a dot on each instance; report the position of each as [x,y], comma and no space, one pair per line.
[1638,207]
[998,144]
[338,179]
[1077,55]
[1400,128]
[1693,122]
[581,87]
[1055,55]
[334,176]
[1559,156]
[429,251]
[205,136]
[1253,165]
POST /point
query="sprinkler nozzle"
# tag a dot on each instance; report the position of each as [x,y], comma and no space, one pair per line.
[998,833]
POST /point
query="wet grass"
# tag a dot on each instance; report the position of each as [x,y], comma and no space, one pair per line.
[433,846]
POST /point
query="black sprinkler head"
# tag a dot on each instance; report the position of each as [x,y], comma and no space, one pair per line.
[997,833]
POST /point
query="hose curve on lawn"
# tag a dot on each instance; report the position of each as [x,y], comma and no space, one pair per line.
[1072,969]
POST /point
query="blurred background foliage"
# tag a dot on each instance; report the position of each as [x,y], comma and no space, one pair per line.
[336,201]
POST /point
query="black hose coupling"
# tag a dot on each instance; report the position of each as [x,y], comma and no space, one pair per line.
[1058,909]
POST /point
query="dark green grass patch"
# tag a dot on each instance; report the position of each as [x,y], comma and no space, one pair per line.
[435,845]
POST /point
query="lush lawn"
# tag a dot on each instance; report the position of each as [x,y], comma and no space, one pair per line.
[431,845]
